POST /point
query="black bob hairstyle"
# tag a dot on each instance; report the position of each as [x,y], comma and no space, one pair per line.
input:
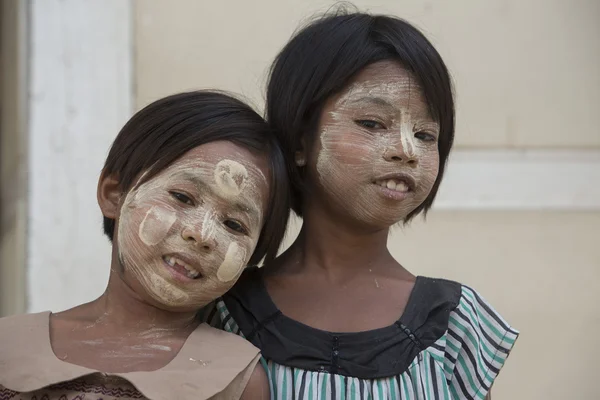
[165,130]
[321,59]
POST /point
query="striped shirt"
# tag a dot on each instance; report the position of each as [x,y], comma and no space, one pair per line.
[449,344]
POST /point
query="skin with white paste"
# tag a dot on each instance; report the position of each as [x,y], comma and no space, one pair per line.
[379,125]
[229,268]
[204,214]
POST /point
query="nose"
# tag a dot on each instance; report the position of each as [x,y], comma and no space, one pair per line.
[199,235]
[401,151]
[397,154]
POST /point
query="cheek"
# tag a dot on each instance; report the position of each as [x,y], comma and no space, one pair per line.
[355,153]
[429,161]
[165,291]
[342,146]
[233,263]
[156,225]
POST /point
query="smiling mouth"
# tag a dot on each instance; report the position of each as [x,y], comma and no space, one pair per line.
[181,267]
[395,184]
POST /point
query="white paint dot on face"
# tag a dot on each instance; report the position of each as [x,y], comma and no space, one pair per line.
[156,225]
[230,177]
[233,263]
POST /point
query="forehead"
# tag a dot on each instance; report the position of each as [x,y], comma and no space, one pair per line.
[381,83]
[203,160]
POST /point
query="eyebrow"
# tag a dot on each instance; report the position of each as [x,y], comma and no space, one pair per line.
[241,206]
[382,102]
[247,208]
[378,101]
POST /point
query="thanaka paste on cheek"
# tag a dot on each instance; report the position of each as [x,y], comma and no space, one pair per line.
[154,225]
[233,264]
[352,157]
[168,293]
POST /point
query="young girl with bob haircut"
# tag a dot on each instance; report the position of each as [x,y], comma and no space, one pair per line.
[194,188]
[364,109]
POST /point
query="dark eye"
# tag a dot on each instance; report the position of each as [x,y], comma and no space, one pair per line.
[369,124]
[426,137]
[182,198]
[235,226]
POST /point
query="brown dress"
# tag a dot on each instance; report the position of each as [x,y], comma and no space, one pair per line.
[212,364]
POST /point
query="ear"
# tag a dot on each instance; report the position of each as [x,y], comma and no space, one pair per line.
[109,195]
[300,154]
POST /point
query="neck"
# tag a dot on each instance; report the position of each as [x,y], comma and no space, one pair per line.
[121,308]
[327,244]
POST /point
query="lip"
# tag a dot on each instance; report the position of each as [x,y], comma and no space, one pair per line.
[410,181]
[186,259]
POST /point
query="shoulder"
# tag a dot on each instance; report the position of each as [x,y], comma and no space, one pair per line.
[454,321]
[460,310]
[221,313]
[17,330]
[217,345]
[25,344]
[474,313]
[24,321]
[429,307]
[247,306]
[257,387]
[433,293]
[478,343]
[250,384]
[454,307]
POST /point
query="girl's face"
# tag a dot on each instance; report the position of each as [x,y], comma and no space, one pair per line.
[185,235]
[376,158]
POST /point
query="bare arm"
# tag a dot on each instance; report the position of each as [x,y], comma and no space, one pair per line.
[258,385]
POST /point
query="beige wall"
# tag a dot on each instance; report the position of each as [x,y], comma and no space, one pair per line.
[541,270]
[526,77]
[525,71]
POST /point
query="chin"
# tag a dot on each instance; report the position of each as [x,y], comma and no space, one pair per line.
[381,219]
[385,222]
[175,308]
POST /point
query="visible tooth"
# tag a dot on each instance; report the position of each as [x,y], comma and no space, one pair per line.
[171,261]
[401,187]
[192,273]
[391,184]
